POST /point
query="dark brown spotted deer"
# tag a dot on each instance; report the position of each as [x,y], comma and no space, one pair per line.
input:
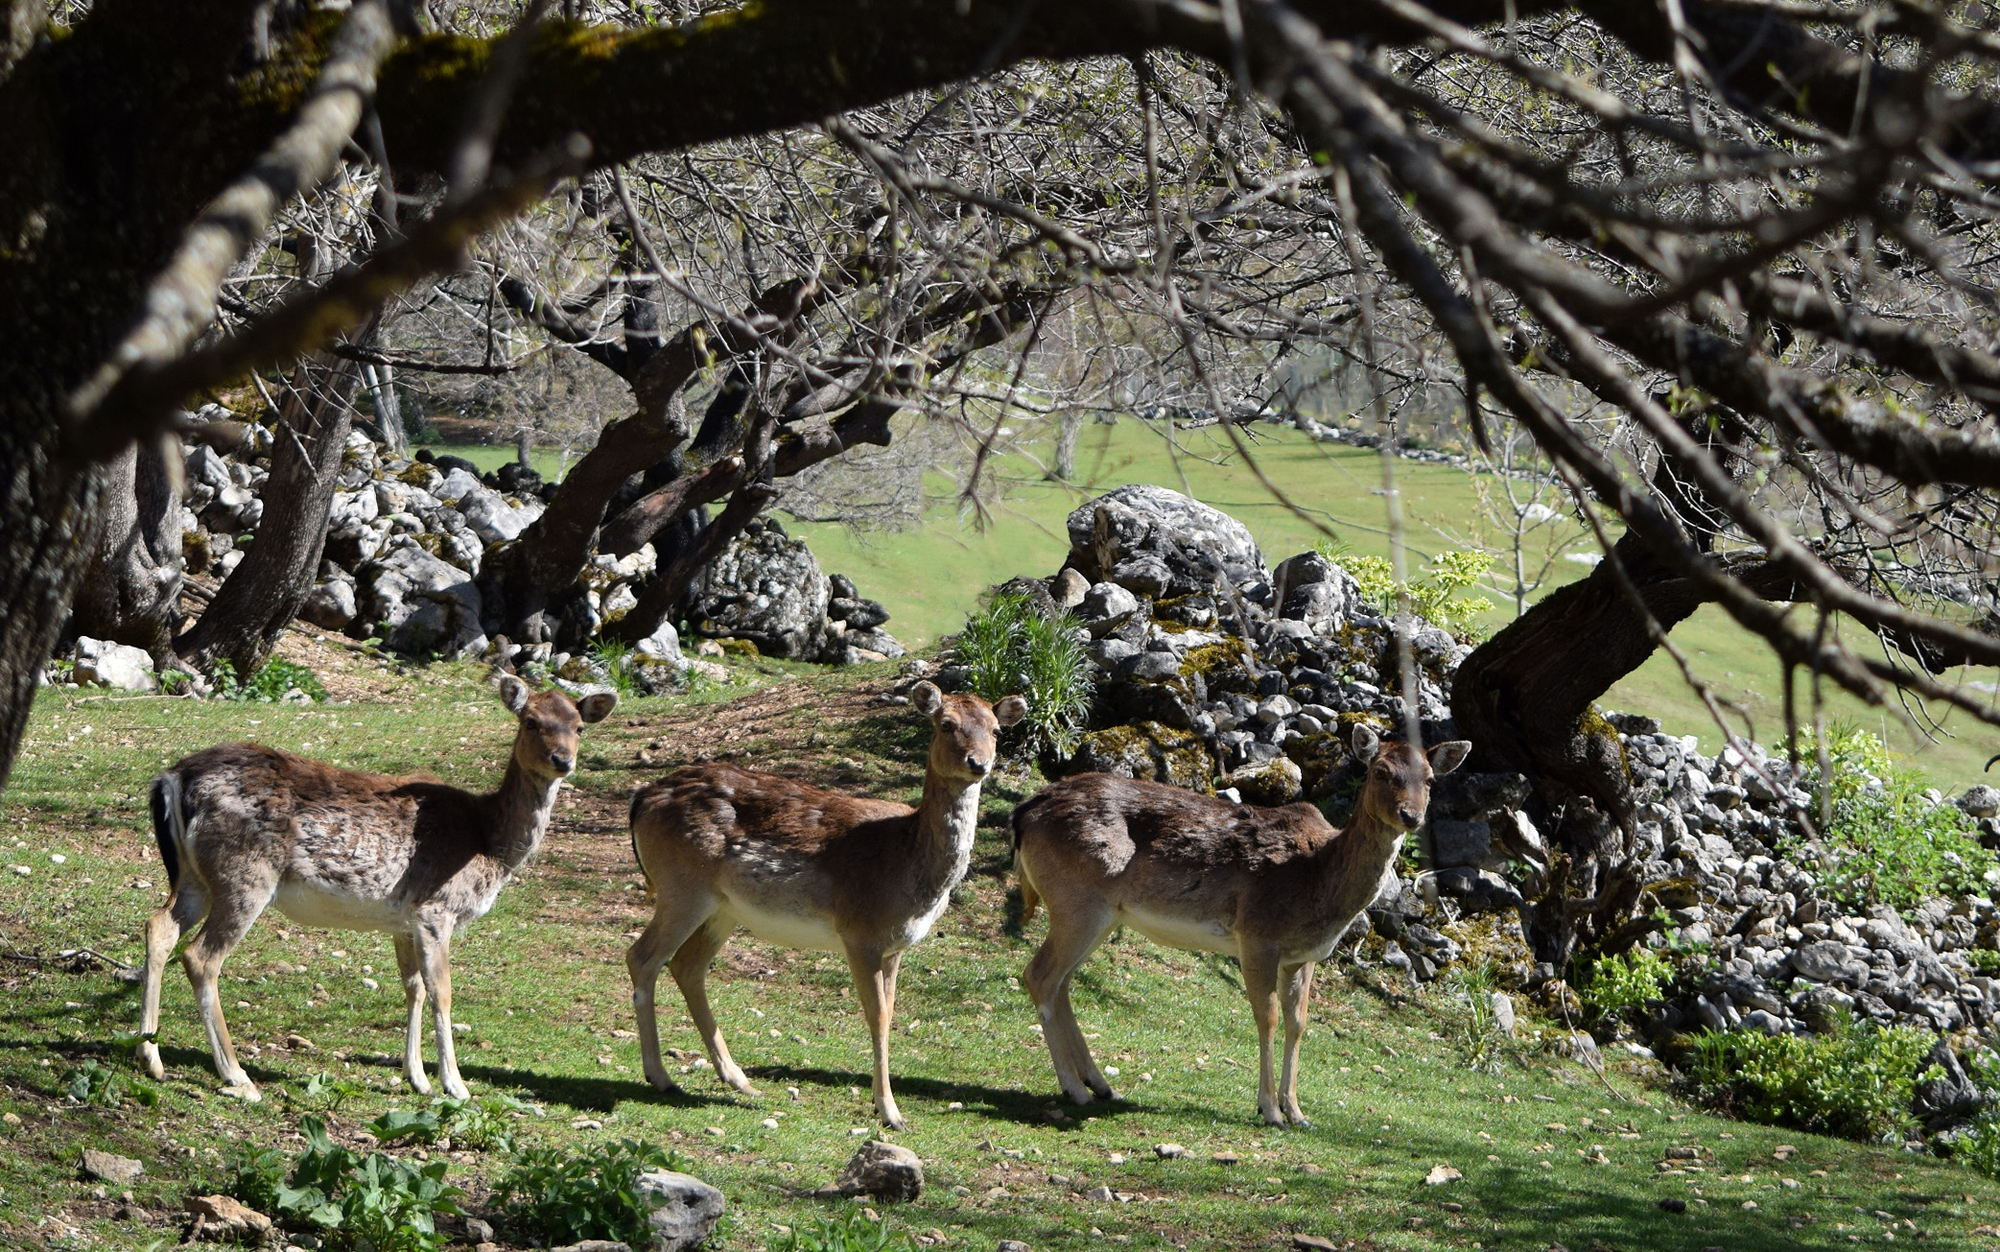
[1273,887]
[242,828]
[803,867]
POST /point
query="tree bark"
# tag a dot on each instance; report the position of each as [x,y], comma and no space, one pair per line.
[129,591]
[263,593]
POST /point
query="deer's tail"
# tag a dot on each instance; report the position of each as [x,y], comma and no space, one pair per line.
[170,823]
[632,824]
[1029,896]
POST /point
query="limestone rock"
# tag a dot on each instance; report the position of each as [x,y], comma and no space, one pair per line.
[226,1219]
[120,1171]
[766,587]
[101,663]
[417,603]
[1197,547]
[331,605]
[886,1171]
[683,1209]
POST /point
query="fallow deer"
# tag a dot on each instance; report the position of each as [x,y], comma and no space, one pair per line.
[242,827]
[803,867]
[1273,887]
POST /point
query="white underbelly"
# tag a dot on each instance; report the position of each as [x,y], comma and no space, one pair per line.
[1180,932]
[787,930]
[312,906]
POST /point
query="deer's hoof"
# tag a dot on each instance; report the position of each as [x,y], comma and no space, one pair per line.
[660,1082]
[1300,1121]
[419,1084]
[245,1091]
[456,1089]
[149,1056]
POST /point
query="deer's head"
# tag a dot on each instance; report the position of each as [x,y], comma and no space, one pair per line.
[1398,787]
[965,730]
[551,722]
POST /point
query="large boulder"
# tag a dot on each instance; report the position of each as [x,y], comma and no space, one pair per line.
[491,517]
[101,663]
[416,603]
[1158,542]
[766,587]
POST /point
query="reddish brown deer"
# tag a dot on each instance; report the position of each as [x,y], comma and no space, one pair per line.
[242,827]
[1273,887]
[806,868]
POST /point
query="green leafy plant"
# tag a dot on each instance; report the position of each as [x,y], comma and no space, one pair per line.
[1887,844]
[347,1199]
[1979,1147]
[1011,648]
[1437,595]
[1630,980]
[561,1197]
[91,1083]
[1855,1081]
[1469,1020]
[481,1124]
[272,682]
[327,1092]
[853,1232]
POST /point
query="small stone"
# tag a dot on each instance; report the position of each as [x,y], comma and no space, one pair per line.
[1101,1194]
[1672,1205]
[1169,1151]
[371,984]
[1440,1175]
[1015,1245]
[769,1123]
[478,1231]
[1314,1243]
[121,1170]
[10,1120]
[1116,1158]
[221,1217]
[1225,1157]
[683,1210]
[889,1172]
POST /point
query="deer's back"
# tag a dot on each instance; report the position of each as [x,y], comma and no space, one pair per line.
[718,812]
[322,830]
[1123,823]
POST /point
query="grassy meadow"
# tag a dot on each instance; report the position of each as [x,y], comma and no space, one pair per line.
[1398,1081]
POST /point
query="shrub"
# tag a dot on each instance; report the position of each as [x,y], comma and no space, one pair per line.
[616,660]
[1887,844]
[1630,980]
[350,1200]
[561,1197]
[1979,1147]
[1010,648]
[852,1233]
[91,1083]
[1855,1081]
[1437,595]
[478,1124]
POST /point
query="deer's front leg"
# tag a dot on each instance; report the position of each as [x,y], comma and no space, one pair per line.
[412,972]
[874,985]
[1297,983]
[433,938]
[1260,983]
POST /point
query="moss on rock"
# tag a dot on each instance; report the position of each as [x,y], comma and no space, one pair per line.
[1147,749]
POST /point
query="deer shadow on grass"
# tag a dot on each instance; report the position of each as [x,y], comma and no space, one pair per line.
[1010,1104]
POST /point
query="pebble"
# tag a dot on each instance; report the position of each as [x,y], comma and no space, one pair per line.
[1169,1151]
[769,1123]
[371,984]
[1225,1157]
[1440,1175]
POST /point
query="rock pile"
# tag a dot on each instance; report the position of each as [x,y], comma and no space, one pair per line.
[1216,673]
[406,538]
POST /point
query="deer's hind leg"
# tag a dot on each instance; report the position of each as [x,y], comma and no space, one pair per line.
[1074,933]
[690,970]
[186,906]
[231,913]
[411,970]
[675,918]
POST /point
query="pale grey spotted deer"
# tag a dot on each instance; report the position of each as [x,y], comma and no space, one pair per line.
[1273,887]
[804,867]
[242,828]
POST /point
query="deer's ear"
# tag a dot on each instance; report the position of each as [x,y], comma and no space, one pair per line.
[597,706]
[513,693]
[1446,757]
[925,698]
[1365,741]
[1011,710]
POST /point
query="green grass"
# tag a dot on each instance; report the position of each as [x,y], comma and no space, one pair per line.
[541,984]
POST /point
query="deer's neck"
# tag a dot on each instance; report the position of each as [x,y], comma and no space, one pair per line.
[946,820]
[521,815]
[1355,862]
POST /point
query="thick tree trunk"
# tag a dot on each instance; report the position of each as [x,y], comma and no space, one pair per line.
[263,593]
[129,591]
